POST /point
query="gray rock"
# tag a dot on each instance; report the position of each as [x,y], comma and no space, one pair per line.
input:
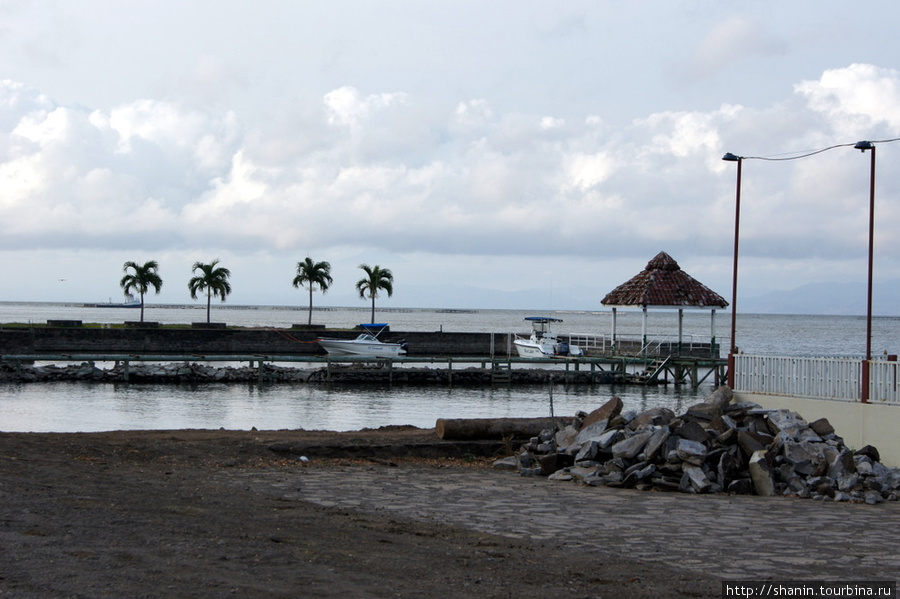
[658,416]
[822,427]
[846,482]
[607,412]
[807,458]
[565,437]
[552,462]
[692,431]
[591,432]
[655,443]
[609,438]
[729,467]
[869,452]
[546,447]
[638,473]
[632,446]
[510,463]
[863,464]
[785,421]
[698,480]
[581,474]
[873,497]
[821,485]
[721,424]
[714,405]
[842,463]
[589,451]
[761,474]
[691,451]
[749,442]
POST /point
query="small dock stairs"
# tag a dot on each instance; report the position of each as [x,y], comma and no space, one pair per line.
[651,373]
[500,374]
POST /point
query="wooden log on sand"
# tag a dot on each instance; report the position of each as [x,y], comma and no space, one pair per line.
[461,429]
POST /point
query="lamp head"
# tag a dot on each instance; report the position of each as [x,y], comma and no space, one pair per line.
[731,157]
[862,146]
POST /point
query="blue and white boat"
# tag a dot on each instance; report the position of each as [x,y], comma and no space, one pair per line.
[366,344]
[543,343]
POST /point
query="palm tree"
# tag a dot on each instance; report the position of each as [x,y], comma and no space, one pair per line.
[213,280]
[376,278]
[312,274]
[141,280]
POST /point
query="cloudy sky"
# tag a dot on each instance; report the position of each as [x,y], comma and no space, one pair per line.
[526,154]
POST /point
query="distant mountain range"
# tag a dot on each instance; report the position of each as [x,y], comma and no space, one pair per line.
[815,298]
[826,298]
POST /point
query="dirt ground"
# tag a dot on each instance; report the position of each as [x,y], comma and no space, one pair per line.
[146,514]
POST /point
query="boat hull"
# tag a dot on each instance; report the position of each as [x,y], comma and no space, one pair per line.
[528,349]
[352,347]
[532,349]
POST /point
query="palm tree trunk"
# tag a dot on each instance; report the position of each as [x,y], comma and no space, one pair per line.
[142,307]
[373,309]
[208,302]
[309,323]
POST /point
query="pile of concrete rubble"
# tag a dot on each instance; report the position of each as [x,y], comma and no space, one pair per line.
[716,446]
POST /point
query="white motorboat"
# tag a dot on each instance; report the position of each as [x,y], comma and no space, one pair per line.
[542,343]
[367,344]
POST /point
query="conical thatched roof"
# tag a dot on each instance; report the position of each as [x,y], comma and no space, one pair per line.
[664,284]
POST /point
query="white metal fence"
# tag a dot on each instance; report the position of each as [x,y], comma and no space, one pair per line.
[823,378]
[884,378]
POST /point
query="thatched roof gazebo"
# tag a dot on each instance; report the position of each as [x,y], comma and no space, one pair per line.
[662,284]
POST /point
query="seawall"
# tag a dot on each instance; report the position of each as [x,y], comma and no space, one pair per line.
[63,340]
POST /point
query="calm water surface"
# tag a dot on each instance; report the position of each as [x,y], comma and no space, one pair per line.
[70,407]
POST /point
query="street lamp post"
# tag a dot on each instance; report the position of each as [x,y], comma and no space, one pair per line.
[734,273]
[862,146]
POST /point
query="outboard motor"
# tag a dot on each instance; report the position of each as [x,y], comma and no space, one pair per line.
[562,348]
[404,345]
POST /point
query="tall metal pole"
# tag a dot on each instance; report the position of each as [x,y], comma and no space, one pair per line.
[734,276]
[864,395]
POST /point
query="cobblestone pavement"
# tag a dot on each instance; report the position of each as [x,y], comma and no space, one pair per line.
[731,537]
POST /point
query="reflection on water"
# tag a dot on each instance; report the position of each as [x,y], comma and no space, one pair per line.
[85,407]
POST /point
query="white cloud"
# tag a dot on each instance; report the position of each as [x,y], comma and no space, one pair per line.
[347,107]
[855,99]
[395,174]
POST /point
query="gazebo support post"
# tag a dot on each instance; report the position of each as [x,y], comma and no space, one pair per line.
[615,345]
[644,332]
[680,330]
[712,336]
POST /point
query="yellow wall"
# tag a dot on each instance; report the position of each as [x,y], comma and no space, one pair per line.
[858,424]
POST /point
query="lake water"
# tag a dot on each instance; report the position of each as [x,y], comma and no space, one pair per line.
[73,407]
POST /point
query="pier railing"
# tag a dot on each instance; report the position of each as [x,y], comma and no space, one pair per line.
[822,378]
[656,346]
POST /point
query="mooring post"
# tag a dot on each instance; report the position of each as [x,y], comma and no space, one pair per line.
[259,372]
[126,365]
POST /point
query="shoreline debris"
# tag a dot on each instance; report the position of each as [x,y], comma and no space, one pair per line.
[716,446]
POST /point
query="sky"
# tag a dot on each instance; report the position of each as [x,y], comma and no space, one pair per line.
[527,154]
